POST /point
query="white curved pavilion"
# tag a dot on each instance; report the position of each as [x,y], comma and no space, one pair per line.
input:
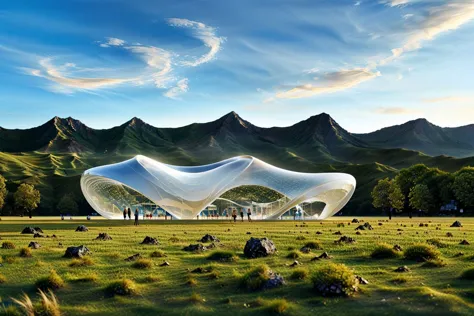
[185,191]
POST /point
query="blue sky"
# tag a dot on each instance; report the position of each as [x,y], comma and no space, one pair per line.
[368,64]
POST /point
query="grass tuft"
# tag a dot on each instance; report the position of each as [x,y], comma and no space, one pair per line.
[25,252]
[3,279]
[122,287]
[299,274]
[81,262]
[384,251]
[331,275]
[295,254]
[8,245]
[255,278]
[422,252]
[52,282]
[314,245]
[224,256]
[158,254]
[434,263]
[142,264]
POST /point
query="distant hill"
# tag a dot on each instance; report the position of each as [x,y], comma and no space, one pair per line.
[54,155]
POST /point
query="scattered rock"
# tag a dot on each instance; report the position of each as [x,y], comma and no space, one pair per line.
[380,224]
[76,252]
[295,263]
[319,233]
[358,233]
[165,264]
[305,250]
[456,224]
[249,233]
[200,270]
[34,245]
[103,236]
[397,248]
[448,234]
[134,257]
[199,247]
[338,233]
[464,242]
[275,281]
[365,226]
[259,247]
[38,230]
[38,235]
[400,230]
[82,228]
[355,221]
[149,241]
[324,255]
[345,239]
[421,225]
[28,230]
[361,280]
[402,269]
[209,238]
[459,254]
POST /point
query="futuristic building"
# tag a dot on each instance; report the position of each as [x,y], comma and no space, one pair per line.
[184,192]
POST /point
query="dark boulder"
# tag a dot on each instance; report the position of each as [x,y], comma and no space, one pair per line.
[76,252]
[402,269]
[134,257]
[345,239]
[355,221]
[324,255]
[361,280]
[274,281]
[305,250]
[150,241]
[28,230]
[364,227]
[259,247]
[38,230]
[34,245]
[82,228]
[464,242]
[165,264]
[209,238]
[198,247]
[456,224]
[38,235]
[103,236]
[448,234]
[397,248]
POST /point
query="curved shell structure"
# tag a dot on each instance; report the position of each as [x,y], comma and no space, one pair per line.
[185,191]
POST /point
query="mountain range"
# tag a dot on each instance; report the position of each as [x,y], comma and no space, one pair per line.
[53,155]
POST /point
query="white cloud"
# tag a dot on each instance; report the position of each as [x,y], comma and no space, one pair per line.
[357,3]
[54,74]
[112,41]
[180,88]
[330,83]
[395,3]
[203,32]
[394,110]
[450,99]
[441,19]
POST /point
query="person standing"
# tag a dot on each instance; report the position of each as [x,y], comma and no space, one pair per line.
[242,214]
[234,215]
[124,213]
[249,213]
[129,213]
[136,217]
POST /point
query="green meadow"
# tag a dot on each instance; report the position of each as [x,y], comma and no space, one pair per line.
[436,288]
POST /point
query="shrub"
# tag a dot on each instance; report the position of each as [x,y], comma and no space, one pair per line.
[81,262]
[326,277]
[384,251]
[255,278]
[422,252]
[277,306]
[436,242]
[299,274]
[8,245]
[315,245]
[25,252]
[142,264]
[434,263]
[158,254]
[51,282]
[10,259]
[122,287]
[3,279]
[468,274]
[295,254]
[226,256]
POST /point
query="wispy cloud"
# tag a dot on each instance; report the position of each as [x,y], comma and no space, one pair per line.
[330,82]
[203,32]
[450,99]
[112,41]
[55,74]
[394,110]
[395,3]
[180,88]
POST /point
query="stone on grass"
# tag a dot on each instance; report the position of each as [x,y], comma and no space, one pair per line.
[165,264]
[355,221]
[82,228]
[358,233]
[345,239]
[464,242]
[200,270]
[76,252]
[319,233]
[103,236]
[448,234]
[199,247]
[456,224]
[402,269]
[459,254]
[150,241]
[361,280]
[38,235]
[34,245]
[338,233]
[295,263]
[28,230]
[259,247]
[324,255]
[365,226]
[305,250]
[274,281]
[397,248]
[38,230]
[209,238]
[134,257]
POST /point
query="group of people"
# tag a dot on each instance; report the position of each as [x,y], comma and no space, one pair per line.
[129,213]
[242,211]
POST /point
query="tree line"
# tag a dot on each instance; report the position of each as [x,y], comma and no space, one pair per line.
[27,198]
[427,189]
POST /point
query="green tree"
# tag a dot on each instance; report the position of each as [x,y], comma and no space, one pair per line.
[463,186]
[387,194]
[409,177]
[421,198]
[396,196]
[67,204]
[27,198]
[3,191]
[445,182]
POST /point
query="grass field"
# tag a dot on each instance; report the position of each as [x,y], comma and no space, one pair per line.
[173,290]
